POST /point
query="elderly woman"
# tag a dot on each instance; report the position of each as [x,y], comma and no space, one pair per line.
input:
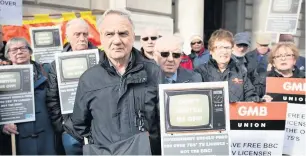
[37,137]
[283,58]
[221,67]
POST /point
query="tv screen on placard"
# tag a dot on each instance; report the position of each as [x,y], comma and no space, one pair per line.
[10,81]
[73,68]
[43,38]
[189,110]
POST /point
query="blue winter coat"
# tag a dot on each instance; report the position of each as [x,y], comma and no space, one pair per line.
[37,138]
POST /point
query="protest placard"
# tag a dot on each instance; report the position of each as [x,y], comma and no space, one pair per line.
[291,90]
[257,128]
[194,118]
[16,94]
[11,12]
[45,42]
[70,66]
[283,16]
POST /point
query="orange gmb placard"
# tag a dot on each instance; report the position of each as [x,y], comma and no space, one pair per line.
[258,111]
[296,86]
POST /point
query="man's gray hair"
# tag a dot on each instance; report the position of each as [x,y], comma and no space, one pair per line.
[13,41]
[170,40]
[74,21]
[122,12]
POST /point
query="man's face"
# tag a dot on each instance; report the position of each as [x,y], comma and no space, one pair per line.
[196,45]
[19,53]
[222,51]
[148,40]
[262,48]
[241,48]
[168,58]
[117,36]
[77,35]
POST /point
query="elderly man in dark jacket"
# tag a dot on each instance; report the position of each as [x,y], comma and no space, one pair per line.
[221,67]
[117,100]
[77,35]
[168,51]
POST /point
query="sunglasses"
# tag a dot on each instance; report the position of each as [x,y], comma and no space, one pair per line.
[167,54]
[264,45]
[193,43]
[153,38]
[242,45]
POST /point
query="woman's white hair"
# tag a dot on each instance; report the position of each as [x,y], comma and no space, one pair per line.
[13,41]
[122,12]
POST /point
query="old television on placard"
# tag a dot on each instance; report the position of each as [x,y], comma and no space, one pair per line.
[13,81]
[72,67]
[194,110]
[46,38]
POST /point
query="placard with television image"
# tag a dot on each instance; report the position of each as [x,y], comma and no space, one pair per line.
[293,91]
[194,118]
[70,66]
[257,128]
[45,42]
[16,94]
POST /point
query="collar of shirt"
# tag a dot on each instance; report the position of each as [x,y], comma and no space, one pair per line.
[173,78]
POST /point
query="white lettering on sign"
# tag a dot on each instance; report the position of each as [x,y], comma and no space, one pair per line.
[253,111]
[291,86]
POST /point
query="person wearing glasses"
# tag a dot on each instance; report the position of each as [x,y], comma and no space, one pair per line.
[199,55]
[167,54]
[283,58]
[221,67]
[35,137]
[300,62]
[147,40]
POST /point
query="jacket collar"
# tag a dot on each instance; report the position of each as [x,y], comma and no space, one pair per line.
[296,73]
[183,75]
[230,65]
[39,77]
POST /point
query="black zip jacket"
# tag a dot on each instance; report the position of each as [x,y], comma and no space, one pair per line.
[240,86]
[106,103]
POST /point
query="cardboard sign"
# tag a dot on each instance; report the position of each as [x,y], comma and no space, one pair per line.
[16,94]
[70,66]
[283,16]
[293,91]
[257,128]
[194,118]
[45,42]
[11,12]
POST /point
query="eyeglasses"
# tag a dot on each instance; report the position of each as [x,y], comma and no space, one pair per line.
[287,56]
[15,50]
[167,54]
[153,38]
[193,43]
[227,48]
[242,45]
[264,45]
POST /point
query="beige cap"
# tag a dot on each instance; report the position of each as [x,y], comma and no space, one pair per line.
[196,37]
[263,39]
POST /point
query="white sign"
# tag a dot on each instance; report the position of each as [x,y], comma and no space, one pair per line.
[70,66]
[283,16]
[257,129]
[16,94]
[45,42]
[11,12]
[194,118]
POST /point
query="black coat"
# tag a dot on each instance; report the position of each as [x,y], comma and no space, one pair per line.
[53,99]
[106,103]
[240,86]
[253,75]
[2,51]
[297,73]
[187,76]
